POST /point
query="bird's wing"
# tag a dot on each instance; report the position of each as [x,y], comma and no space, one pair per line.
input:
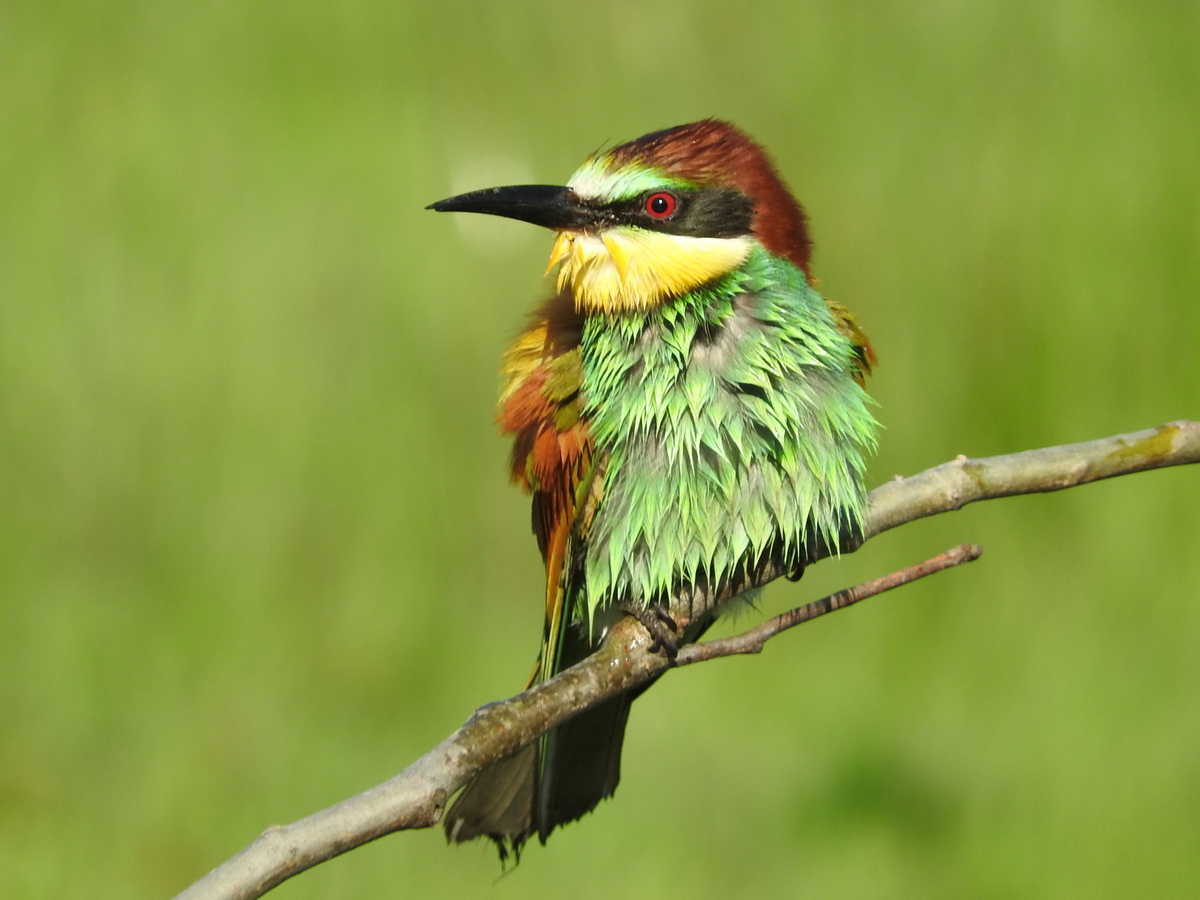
[864,353]
[552,457]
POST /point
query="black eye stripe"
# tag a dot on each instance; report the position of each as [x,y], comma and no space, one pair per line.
[699,212]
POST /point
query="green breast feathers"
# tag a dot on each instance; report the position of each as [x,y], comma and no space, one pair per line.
[735,433]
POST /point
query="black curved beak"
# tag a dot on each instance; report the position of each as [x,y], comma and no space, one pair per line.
[542,204]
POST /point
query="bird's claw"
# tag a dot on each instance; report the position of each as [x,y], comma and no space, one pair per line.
[662,628]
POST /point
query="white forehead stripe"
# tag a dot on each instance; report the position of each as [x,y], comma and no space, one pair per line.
[597,180]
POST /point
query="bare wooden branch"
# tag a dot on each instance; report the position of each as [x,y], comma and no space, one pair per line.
[755,639]
[953,485]
[416,797]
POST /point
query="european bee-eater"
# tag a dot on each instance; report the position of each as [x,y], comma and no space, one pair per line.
[687,412]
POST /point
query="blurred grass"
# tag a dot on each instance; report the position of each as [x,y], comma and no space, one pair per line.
[256,549]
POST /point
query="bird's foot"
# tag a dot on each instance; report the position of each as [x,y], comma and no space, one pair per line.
[662,628]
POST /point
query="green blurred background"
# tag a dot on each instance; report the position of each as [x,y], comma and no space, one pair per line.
[257,551]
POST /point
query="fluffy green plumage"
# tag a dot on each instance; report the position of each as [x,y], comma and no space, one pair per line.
[732,425]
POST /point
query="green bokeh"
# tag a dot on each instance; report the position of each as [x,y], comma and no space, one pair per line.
[256,548]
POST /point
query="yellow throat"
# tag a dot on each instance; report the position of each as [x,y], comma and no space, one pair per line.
[627,269]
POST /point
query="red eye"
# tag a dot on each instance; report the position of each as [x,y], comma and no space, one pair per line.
[661,205]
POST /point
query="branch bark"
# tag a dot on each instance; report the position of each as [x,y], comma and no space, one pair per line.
[416,797]
[756,638]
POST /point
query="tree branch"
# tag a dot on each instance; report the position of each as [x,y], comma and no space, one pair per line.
[417,796]
[755,639]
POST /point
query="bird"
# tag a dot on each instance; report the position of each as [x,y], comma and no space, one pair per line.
[688,415]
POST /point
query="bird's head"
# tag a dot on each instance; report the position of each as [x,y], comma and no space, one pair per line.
[656,217]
